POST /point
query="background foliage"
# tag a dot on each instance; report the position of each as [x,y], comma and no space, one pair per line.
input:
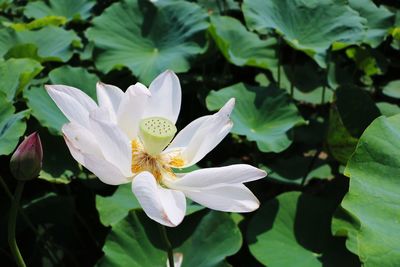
[317,89]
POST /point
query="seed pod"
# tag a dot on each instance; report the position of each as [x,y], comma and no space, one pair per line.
[156,133]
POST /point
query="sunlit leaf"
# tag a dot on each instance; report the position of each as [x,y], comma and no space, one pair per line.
[366,60]
[12,126]
[379,20]
[39,23]
[48,48]
[310,26]
[264,115]
[388,109]
[16,74]
[148,39]
[70,9]
[392,89]
[373,200]
[241,47]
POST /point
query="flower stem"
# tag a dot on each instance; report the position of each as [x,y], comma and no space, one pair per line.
[164,236]
[5,187]
[279,61]
[12,223]
[310,166]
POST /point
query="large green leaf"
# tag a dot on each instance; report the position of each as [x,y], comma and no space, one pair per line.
[392,89]
[113,209]
[135,241]
[264,115]
[311,26]
[379,20]
[373,200]
[71,9]
[12,126]
[16,74]
[241,47]
[148,39]
[43,107]
[294,230]
[388,109]
[47,44]
[215,237]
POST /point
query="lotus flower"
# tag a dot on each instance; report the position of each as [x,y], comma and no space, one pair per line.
[126,138]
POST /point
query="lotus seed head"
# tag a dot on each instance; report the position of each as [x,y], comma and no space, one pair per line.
[156,133]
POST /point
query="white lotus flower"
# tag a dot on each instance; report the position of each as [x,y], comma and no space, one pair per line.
[126,138]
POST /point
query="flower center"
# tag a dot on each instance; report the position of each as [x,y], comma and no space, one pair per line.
[157,165]
[155,134]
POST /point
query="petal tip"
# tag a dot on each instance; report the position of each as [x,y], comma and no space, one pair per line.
[263,173]
[256,205]
[49,87]
[100,84]
[228,107]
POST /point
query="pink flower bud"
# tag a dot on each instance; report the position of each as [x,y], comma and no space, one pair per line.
[26,162]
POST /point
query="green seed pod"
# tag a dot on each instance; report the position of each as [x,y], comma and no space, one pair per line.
[156,133]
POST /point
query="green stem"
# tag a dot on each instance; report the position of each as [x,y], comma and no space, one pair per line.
[5,187]
[12,223]
[28,222]
[310,166]
[279,61]
[164,236]
[293,70]
[11,197]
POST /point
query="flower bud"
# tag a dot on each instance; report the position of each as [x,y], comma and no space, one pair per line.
[26,162]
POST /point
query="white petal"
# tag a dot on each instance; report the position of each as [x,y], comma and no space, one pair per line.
[99,166]
[209,177]
[202,135]
[74,103]
[183,138]
[163,205]
[178,258]
[224,197]
[105,170]
[109,98]
[114,144]
[81,139]
[165,100]
[131,109]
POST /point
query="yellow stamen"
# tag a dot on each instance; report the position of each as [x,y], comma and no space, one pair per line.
[177,162]
[157,165]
